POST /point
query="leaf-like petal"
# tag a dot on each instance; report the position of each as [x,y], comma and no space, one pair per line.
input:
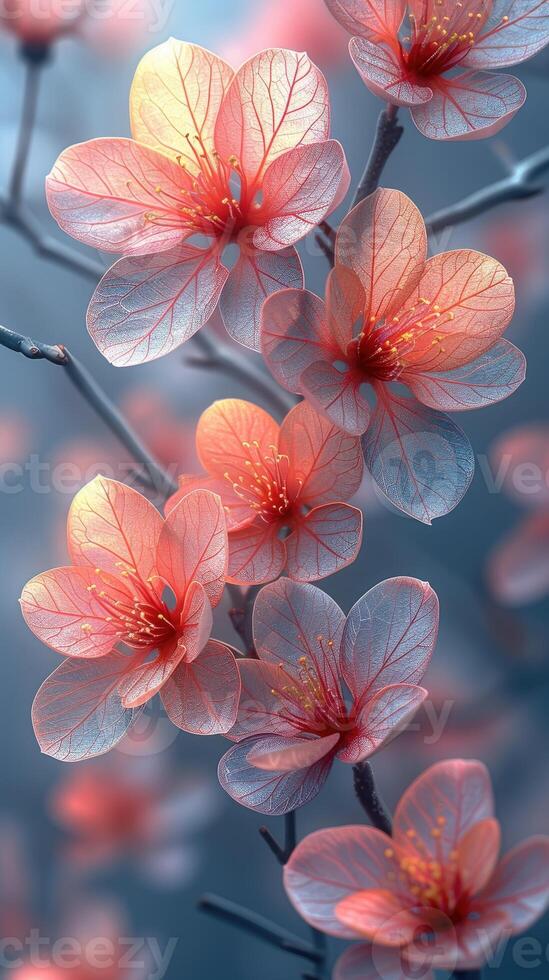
[377,19]
[300,189]
[295,335]
[113,527]
[193,545]
[237,510]
[516,30]
[273,793]
[383,240]
[118,196]
[202,697]
[277,100]
[325,463]
[381,719]
[389,636]
[259,707]
[175,97]
[256,554]
[338,394]
[227,433]
[520,885]
[146,306]
[420,459]
[323,541]
[77,713]
[256,276]
[63,609]
[297,754]
[490,378]
[472,105]
[381,69]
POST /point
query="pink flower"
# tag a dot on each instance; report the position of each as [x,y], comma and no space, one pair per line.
[133,615]
[112,26]
[392,315]
[282,488]
[39,24]
[294,718]
[239,158]
[414,63]
[434,895]
[518,568]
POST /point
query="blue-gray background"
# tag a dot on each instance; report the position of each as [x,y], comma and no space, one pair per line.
[492,662]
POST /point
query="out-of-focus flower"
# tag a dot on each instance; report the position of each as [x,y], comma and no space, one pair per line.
[277,480]
[433,896]
[133,615]
[134,808]
[14,437]
[303,26]
[392,315]
[520,242]
[518,569]
[411,62]
[294,718]
[108,24]
[239,158]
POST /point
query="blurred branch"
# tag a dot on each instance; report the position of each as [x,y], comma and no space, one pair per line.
[26,128]
[468,975]
[518,185]
[387,136]
[258,925]
[369,798]
[17,217]
[90,390]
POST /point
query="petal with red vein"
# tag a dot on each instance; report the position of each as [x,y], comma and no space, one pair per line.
[473,105]
[202,697]
[463,303]
[77,713]
[381,719]
[338,394]
[237,511]
[389,636]
[256,553]
[278,100]
[273,793]
[113,527]
[297,754]
[420,459]
[518,569]
[259,707]
[490,378]
[300,189]
[380,915]
[227,433]
[193,545]
[63,609]
[477,855]
[292,620]
[378,19]
[382,70]
[323,541]
[177,90]
[294,335]
[118,196]
[383,239]
[331,865]
[520,885]
[458,792]
[364,962]
[345,303]
[256,276]
[325,463]
[146,306]
[516,30]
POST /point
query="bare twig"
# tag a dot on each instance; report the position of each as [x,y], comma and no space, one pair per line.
[468,975]
[258,925]
[17,217]
[518,185]
[282,854]
[88,387]
[388,134]
[365,789]
[26,128]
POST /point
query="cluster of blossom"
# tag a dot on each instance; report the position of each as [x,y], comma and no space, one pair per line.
[219,158]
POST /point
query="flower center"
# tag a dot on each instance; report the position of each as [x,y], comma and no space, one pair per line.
[440,42]
[265,485]
[215,201]
[310,700]
[142,618]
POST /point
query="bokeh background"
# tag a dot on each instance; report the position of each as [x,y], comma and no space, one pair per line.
[74,847]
